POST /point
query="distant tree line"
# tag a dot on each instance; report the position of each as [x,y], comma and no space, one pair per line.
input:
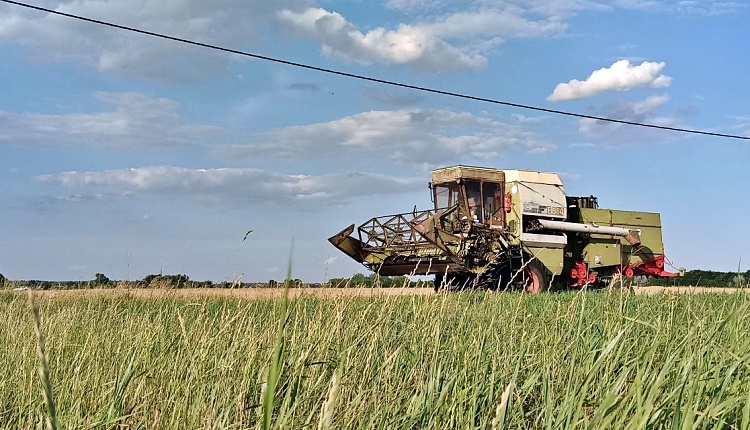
[706,278]
[162,281]
[703,278]
[102,281]
[374,280]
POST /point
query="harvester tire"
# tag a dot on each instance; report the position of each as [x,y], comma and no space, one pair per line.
[620,282]
[534,278]
[438,282]
[453,282]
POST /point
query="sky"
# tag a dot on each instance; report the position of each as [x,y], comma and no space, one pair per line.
[128,155]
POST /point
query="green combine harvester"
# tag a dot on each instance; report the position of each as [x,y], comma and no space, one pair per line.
[509,229]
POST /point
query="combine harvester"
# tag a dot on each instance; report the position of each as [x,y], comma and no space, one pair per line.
[509,229]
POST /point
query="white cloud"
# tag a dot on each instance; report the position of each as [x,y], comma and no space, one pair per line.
[480,25]
[414,5]
[452,42]
[135,120]
[223,22]
[413,45]
[231,186]
[708,8]
[444,35]
[569,7]
[411,136]
[639,111]
[495,23]
[621,76]
[525,119]
[648,105]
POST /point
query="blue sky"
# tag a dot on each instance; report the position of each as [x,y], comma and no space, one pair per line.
[128,155]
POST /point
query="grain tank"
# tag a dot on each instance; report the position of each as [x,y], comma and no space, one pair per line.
[509,229]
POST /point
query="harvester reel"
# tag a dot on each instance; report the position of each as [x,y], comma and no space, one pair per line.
[372,236]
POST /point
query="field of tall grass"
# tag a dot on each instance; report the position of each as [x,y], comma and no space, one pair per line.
[463,361]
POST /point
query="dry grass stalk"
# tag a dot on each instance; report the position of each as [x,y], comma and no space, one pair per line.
[326,414]
[499,420]
[44,374]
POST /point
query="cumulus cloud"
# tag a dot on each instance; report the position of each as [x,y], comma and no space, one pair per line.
[495,23]
[134,120]
[647,106]
[409,5]
[709,8]
[408,44]
[223,22]
[445,35]
[569,7]
[525,119]
[451,42]
[621,76]
[409,136]
[234,23]
[231,186]
[642,111]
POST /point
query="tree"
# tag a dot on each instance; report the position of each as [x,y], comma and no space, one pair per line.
[100,279]
[148,279]
[3,280]
[178,281]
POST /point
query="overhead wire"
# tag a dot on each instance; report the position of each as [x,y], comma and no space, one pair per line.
[372,79]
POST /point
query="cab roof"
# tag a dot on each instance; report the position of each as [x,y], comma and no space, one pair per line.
[454,173]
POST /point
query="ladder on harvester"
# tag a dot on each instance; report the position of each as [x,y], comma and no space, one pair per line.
[515,256]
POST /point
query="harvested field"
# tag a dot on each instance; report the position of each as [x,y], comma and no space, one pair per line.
[270,293]
[238,293]
[688,290]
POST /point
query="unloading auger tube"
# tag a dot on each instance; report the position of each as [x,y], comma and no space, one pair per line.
[631,236]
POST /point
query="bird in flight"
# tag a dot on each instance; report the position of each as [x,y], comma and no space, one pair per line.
[247,234]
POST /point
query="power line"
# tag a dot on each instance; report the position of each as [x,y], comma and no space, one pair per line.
[371,79]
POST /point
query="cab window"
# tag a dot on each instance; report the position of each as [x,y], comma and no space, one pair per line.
[491,199]
[474,199]
[445,195]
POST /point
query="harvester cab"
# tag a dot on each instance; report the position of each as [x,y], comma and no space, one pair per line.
[478,192]
[492,228]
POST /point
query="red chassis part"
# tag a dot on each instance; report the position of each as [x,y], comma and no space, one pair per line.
[651,267]
[580,275]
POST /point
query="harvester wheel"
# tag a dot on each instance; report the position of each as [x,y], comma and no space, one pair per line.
[535,279]
[621,282]
[451,282]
